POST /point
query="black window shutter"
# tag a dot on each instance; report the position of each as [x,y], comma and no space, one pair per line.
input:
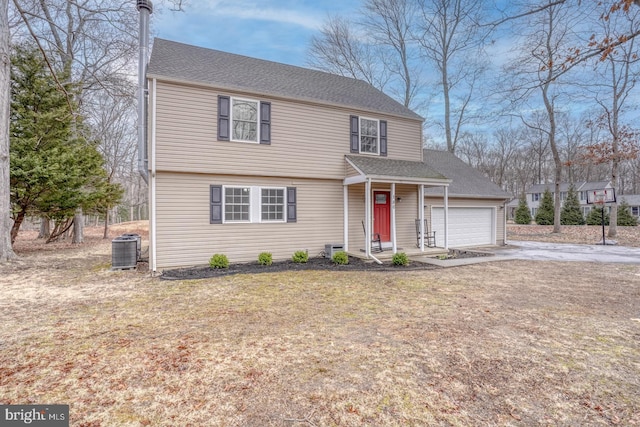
[223,117]
[265,123]
[215,216]
[355,134]
[292,211]
[383,137]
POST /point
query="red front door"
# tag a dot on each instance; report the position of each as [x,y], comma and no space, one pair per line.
[382,215]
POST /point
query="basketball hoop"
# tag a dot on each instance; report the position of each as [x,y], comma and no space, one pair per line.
[601,198]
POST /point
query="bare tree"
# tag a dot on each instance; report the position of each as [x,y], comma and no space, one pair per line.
[376,46]
[619,75]
[389,24]
[6,251]
[339,50]
[538,68]
[450,38]
[110,119]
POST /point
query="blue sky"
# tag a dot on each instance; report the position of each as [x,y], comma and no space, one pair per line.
[276,30]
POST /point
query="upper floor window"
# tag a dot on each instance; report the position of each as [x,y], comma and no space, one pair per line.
[244,120]
[368,136]
[535,197]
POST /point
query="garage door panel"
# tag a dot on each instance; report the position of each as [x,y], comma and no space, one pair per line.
[467,226]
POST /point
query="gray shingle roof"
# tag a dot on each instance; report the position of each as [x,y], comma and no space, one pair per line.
[631,199]
[465,180]
[182,62]
[564,186]
[394,169]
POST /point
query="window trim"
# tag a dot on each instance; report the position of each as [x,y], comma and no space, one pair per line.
[284,205]
[377,121]
[355,134]
[224,204]
[255,204]
[258,119]
[225,124]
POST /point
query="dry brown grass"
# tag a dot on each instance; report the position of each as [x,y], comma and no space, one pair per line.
[505,343]
[580,234]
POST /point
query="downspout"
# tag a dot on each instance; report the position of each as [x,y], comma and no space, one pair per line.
[446,217]
[145,8]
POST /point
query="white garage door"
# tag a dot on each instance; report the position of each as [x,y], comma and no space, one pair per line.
[467,226]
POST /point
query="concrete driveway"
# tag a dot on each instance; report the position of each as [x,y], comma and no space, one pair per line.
[569,252]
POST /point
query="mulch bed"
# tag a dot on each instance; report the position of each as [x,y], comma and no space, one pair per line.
[315,263]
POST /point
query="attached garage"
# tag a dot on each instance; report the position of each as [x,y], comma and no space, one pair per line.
[468,226]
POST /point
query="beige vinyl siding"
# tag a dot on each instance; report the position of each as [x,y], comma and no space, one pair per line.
[471,203]
[185,236]
[307,140]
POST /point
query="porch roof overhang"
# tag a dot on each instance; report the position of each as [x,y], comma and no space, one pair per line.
[381,169]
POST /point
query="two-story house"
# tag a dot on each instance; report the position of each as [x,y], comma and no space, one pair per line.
[247,155]
[535,192]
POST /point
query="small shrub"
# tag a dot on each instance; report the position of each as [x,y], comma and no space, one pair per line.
[340,258]
[219,261]
[400,259]
[300,257]
[265,258]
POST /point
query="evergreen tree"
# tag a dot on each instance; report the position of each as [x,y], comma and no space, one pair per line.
[523,215]
[595,216]
[571,213]
[54,171]
[544,216]
[624,215]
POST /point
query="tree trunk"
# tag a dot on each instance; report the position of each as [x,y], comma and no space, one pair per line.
[106,225]
[6,228]
[613,215]
[78,227]
[16,225]
[45,228]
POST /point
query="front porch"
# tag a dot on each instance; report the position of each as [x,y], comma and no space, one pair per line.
[384,206]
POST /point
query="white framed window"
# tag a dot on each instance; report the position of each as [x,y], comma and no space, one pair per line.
[237,204]
[272,204]
[369,136]
[535,197]
[245,120]
[635,210]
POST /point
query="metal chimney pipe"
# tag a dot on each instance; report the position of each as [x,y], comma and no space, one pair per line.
[145,8]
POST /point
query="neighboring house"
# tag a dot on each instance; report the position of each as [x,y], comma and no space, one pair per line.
[247,156]
[633,200]
[535,192]
[476,205]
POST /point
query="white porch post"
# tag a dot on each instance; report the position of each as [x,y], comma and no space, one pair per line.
[421,215]
[345,209]
[367,218]
[446,217]
[393,217]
